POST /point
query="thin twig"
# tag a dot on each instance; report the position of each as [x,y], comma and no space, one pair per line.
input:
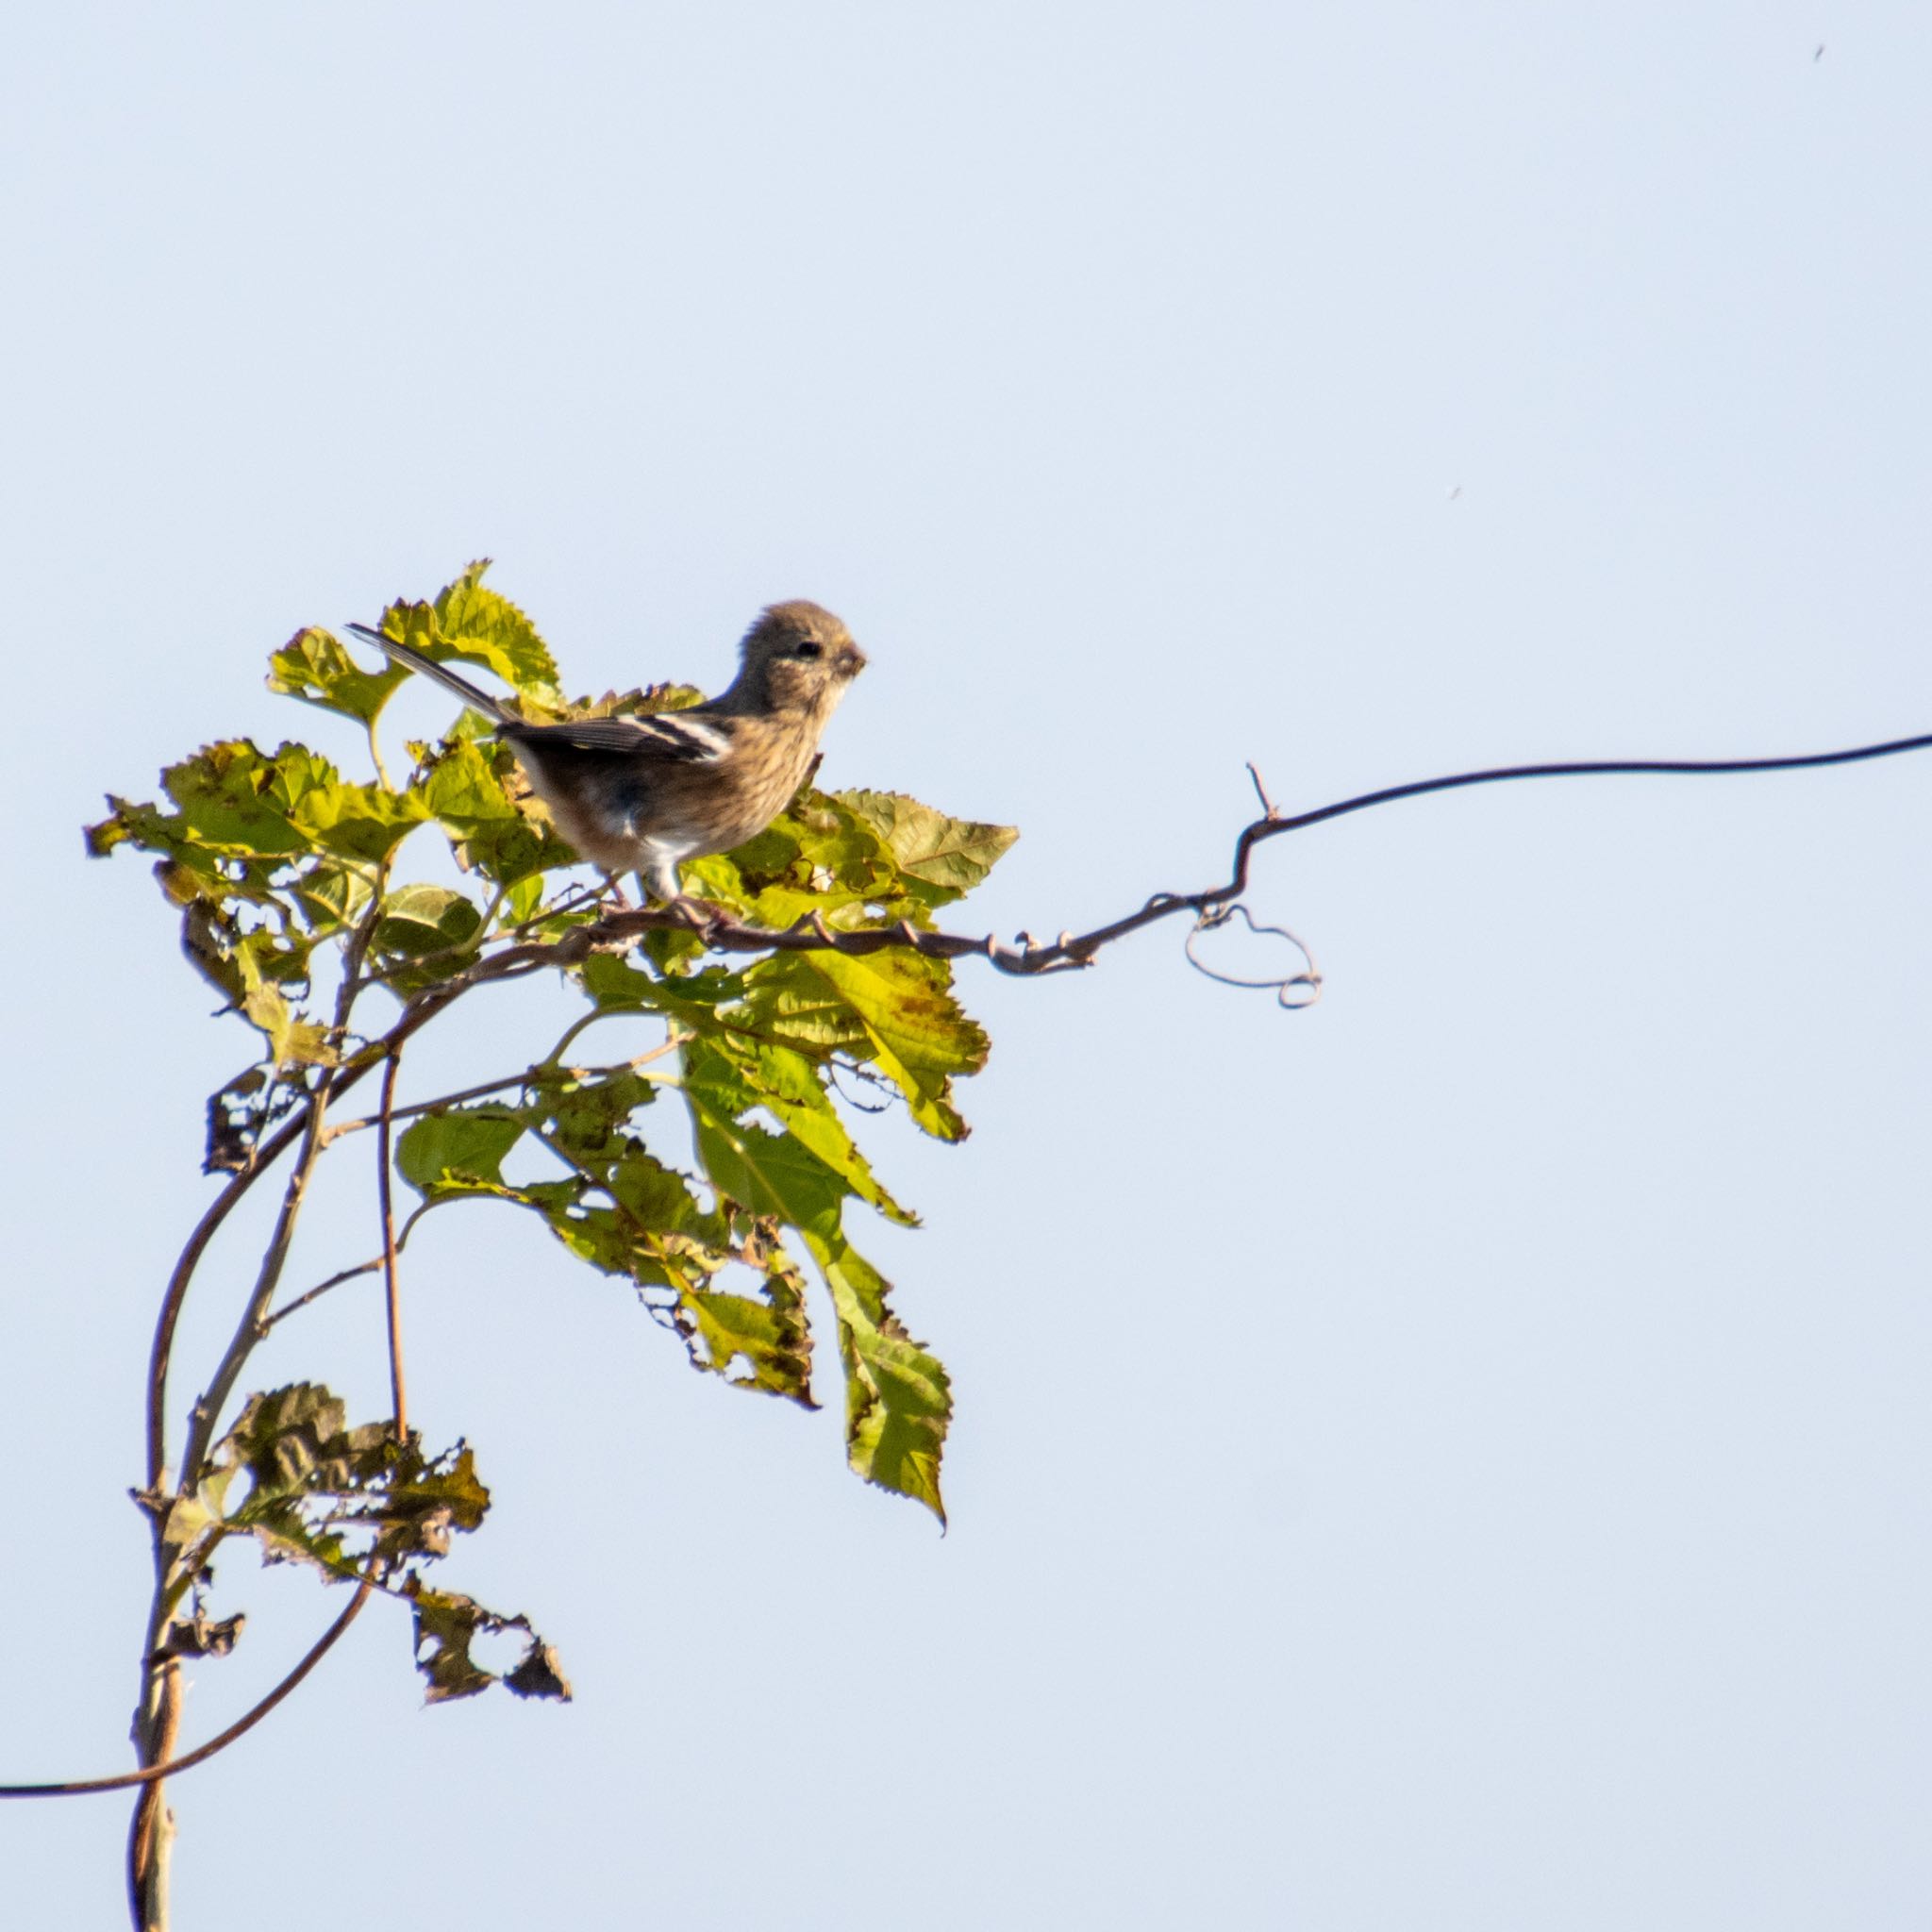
[573,901]
[485,1087]
[1261,791]
[320,1288]
[205,1230]
[205,1415]
[154,1773]
[583,1024]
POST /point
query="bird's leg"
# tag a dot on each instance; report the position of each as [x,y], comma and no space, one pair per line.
[664,884]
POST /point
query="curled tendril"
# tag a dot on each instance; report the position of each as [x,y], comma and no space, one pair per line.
[851,1099]
[1293,992]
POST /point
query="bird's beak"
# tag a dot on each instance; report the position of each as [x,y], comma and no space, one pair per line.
[851,662]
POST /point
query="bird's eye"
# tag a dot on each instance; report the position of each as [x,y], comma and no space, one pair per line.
[807,649]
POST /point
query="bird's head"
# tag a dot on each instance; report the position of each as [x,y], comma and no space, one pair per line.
[798,657]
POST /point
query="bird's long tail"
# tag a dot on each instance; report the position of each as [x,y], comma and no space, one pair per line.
[442,673]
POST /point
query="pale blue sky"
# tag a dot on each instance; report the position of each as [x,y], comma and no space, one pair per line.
[1458,1457]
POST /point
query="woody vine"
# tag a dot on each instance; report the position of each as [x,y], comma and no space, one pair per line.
[295,903]
[288,879]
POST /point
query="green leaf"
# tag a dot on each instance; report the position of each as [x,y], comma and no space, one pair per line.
[766,1173]
[124,821]
[467,621]
[234,798]
[460,1152]
[293,1041]
[481,624]
[521,900]
[315,667]
[653,1232]
[331,896]
[357,820]
[427,918]
[819,855]
[465,787]
[898,1397]
[787,1001]
[949,856]
[760,1341]
[236,801]
[920,1036]
[425,935]
[791,1086]
[615,986]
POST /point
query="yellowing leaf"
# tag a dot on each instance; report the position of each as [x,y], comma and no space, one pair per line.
[481,624]
[952,855]
[898,1397]
[316,667]
[467,621]
[920,1036]
[462,788]
[758,1342]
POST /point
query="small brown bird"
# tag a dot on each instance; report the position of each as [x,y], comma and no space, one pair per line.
[644,794]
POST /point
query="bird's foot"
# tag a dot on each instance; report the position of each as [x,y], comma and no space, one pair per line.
[699,915]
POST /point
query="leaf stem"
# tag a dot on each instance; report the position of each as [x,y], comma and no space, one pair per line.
[375,755]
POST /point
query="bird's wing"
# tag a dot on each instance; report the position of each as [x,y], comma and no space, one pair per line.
[674,737]
[409,655]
